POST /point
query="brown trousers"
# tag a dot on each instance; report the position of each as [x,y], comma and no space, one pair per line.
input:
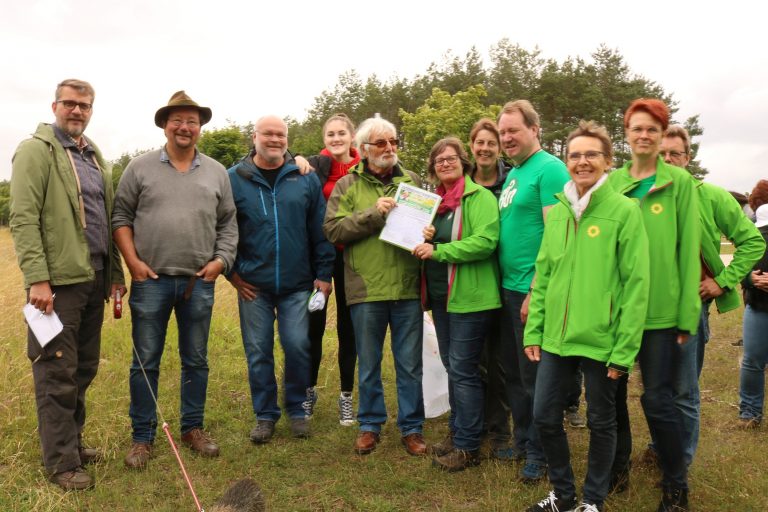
[63,370]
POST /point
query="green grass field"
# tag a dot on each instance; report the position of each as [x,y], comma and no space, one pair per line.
[323,473]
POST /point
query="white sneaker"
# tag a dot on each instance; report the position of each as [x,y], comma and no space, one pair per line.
[586,507]
[346,415]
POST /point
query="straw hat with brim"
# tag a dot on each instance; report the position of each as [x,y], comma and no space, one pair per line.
[180,99]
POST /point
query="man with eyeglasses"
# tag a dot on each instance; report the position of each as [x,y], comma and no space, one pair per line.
[61,201]
[527,196]
[282,258]
[721,215]
[174,222]
[382,286]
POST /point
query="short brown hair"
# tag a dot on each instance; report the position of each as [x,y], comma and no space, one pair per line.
[80,86]
[679,131]
[657,109]
[530,116]
[487,125]
[759,195]
[594,130]
[439,147]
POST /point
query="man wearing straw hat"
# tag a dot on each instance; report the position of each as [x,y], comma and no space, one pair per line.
[174,222]
[61,200]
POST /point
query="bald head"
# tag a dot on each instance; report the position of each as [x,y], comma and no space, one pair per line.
[270,138]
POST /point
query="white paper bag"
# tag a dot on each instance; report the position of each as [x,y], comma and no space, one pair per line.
[435,379]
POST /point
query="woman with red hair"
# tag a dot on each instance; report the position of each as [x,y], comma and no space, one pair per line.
[755,360]
[669,207]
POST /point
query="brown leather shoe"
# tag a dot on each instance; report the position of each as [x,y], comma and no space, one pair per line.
[366,442]
[201,442]
[138,456]
[89,455]
[74,480]
[414,444]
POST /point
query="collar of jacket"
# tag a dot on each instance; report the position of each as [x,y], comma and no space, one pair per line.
[663,177]
[597,197]
[247,169]
[397,171]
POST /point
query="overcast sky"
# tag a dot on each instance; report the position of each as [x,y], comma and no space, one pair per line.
[247,59]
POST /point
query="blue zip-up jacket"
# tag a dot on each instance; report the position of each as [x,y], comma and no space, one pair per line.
[281,248]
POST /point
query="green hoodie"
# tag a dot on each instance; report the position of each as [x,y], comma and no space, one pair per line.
[45,215]
[592,279]
[373,270]
[671,217]
[721,213]
[473,274]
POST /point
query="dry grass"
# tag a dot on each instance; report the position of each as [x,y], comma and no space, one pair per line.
[322,473]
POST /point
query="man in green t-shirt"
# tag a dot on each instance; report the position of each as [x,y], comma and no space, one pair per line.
[528,193]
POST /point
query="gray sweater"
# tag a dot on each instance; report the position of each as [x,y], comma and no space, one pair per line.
[180,221]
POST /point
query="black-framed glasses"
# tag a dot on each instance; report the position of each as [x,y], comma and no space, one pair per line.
[452,159]
[70,105]
[381,143]
[672,154]
[591,156]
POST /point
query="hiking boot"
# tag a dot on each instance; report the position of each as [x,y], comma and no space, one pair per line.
[553,503]
[73,480]
[138,456]
[366,442]
[748,423]
[309,404]
[262,432]
[89,455]
[300,427]
[443,447]
[457,460]
[508,454]
[673,500]
[201,442]
[346,414]
[573,418]
[414,444]
[533,473]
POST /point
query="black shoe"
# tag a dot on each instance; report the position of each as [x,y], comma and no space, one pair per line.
[673,500]
[552,503]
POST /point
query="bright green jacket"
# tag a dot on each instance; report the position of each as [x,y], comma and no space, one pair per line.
[373,270]
[671,217]
[45,220]
[721,213]
[592,280]
[473,273]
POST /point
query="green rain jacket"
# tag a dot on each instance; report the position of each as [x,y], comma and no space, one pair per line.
[473,273]
[45,215]
[721,213]
[592,281]
[373,270]
[671,217]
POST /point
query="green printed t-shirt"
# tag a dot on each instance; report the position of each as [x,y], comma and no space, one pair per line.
[528,189]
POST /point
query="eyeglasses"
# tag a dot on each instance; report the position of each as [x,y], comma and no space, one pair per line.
[70,105]
[178,122]
[591,156]
[452,159]
[269,135]
[672,154]
[381,144]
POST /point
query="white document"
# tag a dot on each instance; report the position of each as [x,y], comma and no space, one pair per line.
[415,208]
[44,327]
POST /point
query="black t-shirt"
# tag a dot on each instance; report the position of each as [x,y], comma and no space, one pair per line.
[270,175]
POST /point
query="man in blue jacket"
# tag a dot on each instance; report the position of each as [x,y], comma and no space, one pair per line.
[282,256]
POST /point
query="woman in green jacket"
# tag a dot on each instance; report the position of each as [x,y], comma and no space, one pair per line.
[461,282]
[669,206]
[587,309]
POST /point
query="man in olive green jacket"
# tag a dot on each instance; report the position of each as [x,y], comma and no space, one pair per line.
[61,203]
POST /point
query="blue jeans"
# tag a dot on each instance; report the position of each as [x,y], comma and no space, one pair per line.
[257,324]
[552,391]
[370,320]
[660,363]
[752,375]
[461,337]
[151,303]
[521,378]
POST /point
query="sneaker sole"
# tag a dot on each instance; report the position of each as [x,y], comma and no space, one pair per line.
[347,423]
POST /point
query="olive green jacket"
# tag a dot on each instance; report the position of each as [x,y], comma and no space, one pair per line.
[46,217]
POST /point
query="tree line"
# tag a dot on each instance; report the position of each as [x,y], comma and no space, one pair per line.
[455,92]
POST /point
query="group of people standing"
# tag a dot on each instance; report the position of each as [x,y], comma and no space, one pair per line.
[533,270]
